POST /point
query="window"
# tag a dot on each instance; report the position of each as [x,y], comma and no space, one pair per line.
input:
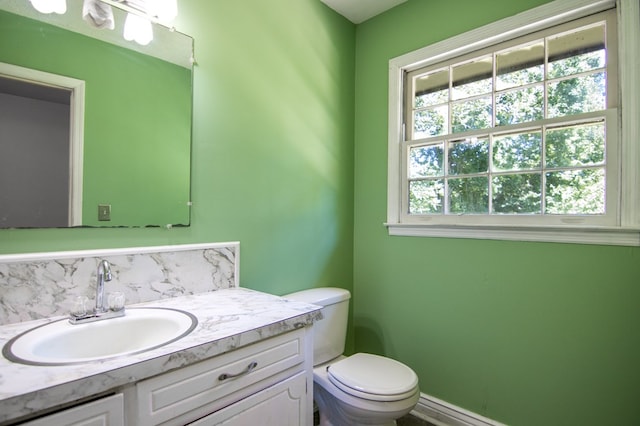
[517,136]
[518,130]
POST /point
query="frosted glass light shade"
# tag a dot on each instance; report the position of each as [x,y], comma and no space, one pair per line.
[138,29]
[50,6]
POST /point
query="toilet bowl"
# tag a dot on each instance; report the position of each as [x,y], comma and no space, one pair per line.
[356,394]
[361,389]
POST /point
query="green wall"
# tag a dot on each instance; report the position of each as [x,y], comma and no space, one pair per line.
[523,333]
[272,146]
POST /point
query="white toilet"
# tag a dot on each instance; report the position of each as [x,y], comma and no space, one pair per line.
[362,389]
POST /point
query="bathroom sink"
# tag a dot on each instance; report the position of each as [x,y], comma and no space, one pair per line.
[62,343]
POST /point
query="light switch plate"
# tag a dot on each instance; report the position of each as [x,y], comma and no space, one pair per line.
[104,212]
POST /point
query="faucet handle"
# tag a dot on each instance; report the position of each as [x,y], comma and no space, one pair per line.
[116,301]
[79,307]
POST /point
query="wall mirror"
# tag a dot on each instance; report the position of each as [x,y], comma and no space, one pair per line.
[133,161]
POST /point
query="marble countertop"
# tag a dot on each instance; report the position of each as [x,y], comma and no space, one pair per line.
[227,319]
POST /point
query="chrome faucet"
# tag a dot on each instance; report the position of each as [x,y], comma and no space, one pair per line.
[104,274]
[100,312]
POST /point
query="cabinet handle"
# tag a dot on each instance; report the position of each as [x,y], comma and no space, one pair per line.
[252,366]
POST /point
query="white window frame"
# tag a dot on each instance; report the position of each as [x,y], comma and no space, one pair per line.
[626,231]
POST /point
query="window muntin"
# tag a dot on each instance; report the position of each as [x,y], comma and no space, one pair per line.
[518,131]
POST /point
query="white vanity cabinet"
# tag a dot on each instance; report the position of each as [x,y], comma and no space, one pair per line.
[267,383]
[107,411]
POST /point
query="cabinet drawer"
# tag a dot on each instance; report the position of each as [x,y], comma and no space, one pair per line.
[191,392]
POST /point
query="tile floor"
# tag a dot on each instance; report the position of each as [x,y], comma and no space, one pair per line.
[407,420]
[410,420]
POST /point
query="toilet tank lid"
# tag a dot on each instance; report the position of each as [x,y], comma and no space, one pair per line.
[322,296]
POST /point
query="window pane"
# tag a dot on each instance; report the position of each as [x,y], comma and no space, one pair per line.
[430,122]
[519,66]
[471,115]
[580,145]
[577,52]
[577,95]
[517,194]
[521,151]
[520,106]
[425,161]
[575,192]
[469,195]
[432,88]
[577,64]
[472,78]
[469,156]
[425,196]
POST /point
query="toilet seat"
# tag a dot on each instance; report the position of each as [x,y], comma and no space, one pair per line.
[373,377]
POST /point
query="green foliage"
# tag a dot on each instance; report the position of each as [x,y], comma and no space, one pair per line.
[471,115]
[520,77]
[575,146]
[575,192]
[520,151]
[517,193]
[469,156]
[430,122]
[426,196]
[520,106]
[426,161]
[577,95]
[469,195]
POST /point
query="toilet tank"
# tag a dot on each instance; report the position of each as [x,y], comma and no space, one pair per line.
[330,333]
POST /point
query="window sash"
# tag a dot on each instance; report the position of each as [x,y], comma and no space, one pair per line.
[609,117]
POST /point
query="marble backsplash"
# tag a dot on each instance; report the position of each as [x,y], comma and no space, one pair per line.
[35,286]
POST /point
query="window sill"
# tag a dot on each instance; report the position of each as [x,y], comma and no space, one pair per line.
[604,236]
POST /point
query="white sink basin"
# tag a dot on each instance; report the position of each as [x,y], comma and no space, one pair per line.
[61,343]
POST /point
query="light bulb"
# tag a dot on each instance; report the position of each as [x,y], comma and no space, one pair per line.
[167,10]
[138,29]
[50,6]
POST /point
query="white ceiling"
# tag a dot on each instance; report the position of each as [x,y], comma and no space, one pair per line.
[358,11]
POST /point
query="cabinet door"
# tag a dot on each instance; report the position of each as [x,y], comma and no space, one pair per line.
[283,404]
[107,411]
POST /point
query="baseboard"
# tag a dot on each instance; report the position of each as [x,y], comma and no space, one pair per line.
[442,413]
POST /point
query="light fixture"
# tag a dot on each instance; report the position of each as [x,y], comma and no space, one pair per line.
[138,29]
[137,25]
[50,6]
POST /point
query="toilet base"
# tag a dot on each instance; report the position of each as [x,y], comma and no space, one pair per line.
[338,412]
